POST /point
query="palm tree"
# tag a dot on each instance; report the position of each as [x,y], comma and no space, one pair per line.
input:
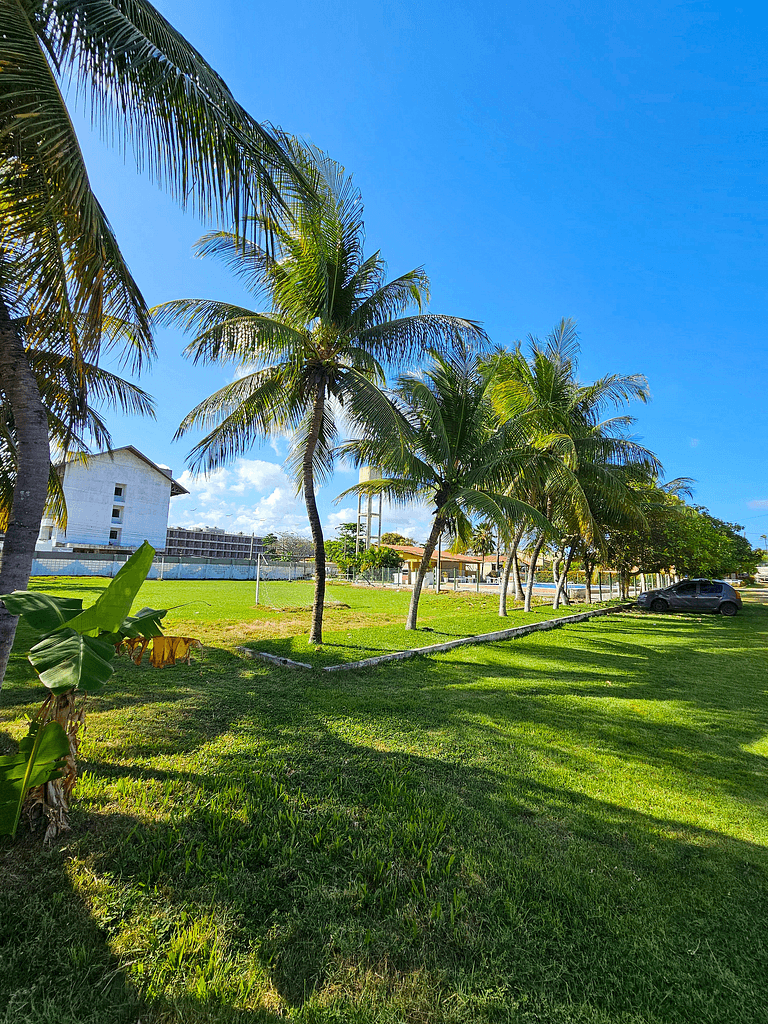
[587,457]
[71,392]
[149,89]
[320,350]
[444,447]
[483,539]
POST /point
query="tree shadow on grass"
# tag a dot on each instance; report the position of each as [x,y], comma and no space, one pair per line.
[57,963]
[326,863]
[324,879]
[592,689]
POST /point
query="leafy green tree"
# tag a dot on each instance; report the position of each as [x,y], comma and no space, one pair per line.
[269,544]
[342,549]
[443,447]
[60,264]
[380,558]
[397,538]
[341,554]
[675,536]
[333,325]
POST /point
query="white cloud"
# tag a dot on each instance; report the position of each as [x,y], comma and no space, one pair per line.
[259,475]
[253,496]
[242,370]
[758,503]
[344,515]
[695,442]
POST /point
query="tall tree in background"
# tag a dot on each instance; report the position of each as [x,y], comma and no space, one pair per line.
[587,456]
[333,324]
[151,91]
[444,447]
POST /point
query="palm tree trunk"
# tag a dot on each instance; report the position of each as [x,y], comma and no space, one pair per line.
[33,463]
[532,571]
[308,477]
[511,561]
[560,592]
[556,565]
[588,572]
[437,528]
[519,595]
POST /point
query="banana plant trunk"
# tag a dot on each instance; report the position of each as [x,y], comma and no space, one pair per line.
[308,477]
[51,800]
[413,610]
[33,463]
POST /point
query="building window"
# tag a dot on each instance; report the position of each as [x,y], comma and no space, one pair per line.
[114,538]
[120,493]
[117,513]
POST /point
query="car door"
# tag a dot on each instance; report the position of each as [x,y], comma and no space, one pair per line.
[683,596]
[710,595]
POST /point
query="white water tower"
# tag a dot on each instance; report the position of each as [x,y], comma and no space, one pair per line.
[368,512]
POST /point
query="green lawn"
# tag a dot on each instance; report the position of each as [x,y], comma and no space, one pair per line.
[360,621]
[568,828]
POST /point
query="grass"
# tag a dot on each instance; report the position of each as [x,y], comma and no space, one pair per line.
[359,622]
[568,828]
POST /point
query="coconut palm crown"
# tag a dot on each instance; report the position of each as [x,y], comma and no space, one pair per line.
[595,455]
[152,93]
[332,326]
[446,448]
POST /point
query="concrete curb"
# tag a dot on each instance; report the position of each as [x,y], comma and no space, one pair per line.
[481,638]
[272,658]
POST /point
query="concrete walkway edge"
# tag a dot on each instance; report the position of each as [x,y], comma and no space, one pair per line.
[481,638]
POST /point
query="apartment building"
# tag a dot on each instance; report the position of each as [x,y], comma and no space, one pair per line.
[211,542]
[115,499]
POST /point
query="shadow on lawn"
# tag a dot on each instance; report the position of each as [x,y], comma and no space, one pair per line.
[722,695]
[57,961]
[566,900]
[559,898]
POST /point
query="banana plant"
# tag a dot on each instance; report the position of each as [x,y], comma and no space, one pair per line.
[73,656]
[41,759]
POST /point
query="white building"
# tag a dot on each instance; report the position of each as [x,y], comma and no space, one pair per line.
[115,499]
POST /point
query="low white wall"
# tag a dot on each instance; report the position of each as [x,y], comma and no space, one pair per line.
[44,566]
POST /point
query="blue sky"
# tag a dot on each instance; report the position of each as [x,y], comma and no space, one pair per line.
[604,161]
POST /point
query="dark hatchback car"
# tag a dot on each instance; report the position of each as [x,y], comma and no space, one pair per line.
[693,596]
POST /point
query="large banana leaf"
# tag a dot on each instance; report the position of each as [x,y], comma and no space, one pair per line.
[146,622]
[42,612]
[40,759]
[68,660]
[113,606]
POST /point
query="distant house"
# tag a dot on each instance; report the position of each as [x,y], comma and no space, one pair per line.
[449,563]
[114,500]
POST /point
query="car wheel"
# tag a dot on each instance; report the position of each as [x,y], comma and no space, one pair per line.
[659,605]
[728,608]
